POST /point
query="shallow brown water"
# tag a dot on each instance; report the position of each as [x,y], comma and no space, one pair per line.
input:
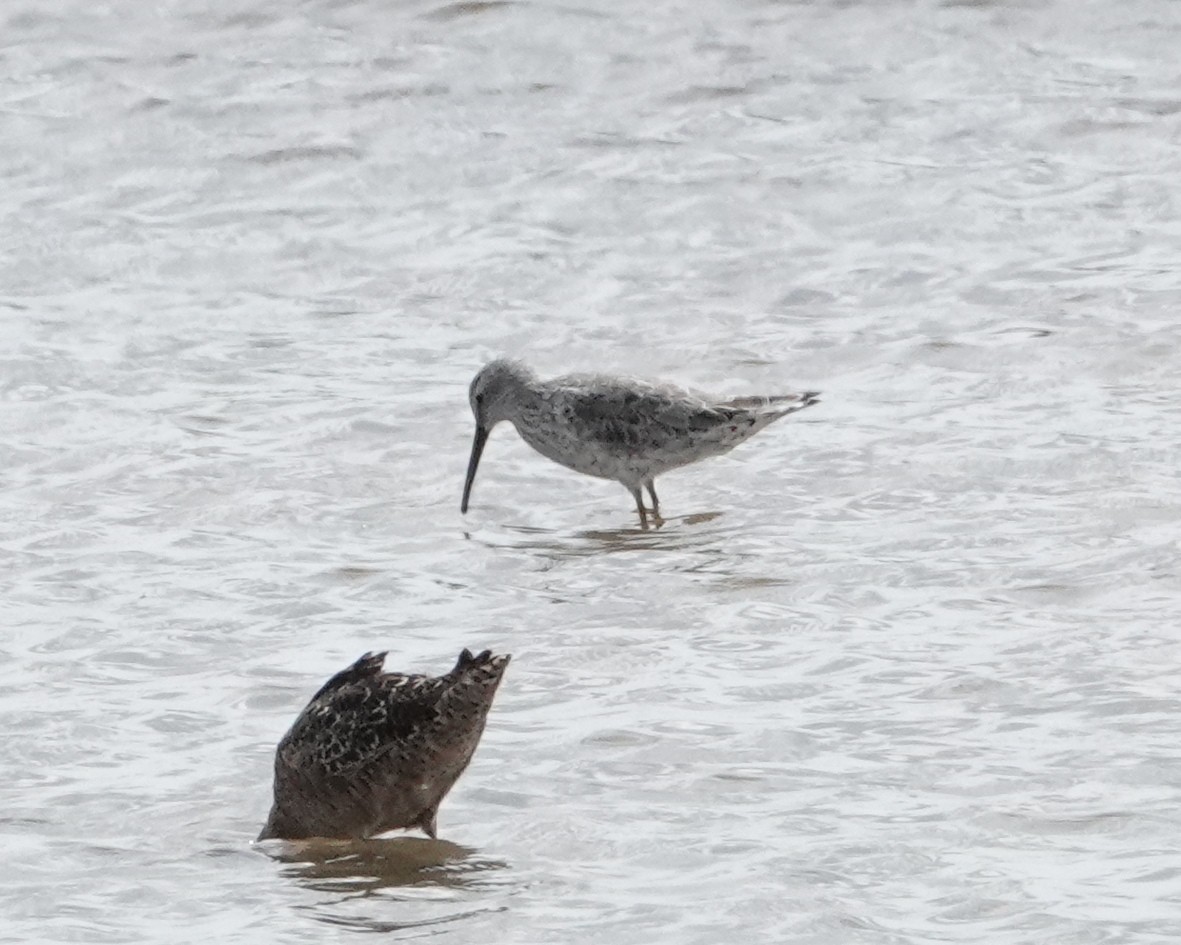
[903,669]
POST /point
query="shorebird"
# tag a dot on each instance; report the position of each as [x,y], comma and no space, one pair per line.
[615,427]
[376,751]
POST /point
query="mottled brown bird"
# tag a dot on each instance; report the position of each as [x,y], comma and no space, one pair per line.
[376,751]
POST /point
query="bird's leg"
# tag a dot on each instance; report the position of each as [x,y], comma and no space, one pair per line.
[656,517]
[639,497]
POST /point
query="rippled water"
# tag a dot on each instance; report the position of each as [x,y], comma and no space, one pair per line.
[903,669]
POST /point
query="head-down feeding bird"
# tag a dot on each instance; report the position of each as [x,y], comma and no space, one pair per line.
[615,427]
[376,751]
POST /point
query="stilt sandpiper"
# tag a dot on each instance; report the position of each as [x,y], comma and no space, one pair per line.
[615,427]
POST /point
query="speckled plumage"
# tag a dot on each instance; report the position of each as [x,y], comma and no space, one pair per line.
[616,427]
[376,751]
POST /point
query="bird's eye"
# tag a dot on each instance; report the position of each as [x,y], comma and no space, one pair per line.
[479,398]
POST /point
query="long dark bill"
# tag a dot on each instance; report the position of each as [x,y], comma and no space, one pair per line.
[477,449]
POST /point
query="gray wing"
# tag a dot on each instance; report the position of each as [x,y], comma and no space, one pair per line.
[627,417]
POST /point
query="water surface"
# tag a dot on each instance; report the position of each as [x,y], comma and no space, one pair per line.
[903,669]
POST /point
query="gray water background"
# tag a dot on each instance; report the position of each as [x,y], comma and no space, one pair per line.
[903,669]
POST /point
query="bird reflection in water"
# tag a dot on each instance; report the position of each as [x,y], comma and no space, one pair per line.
[432,874]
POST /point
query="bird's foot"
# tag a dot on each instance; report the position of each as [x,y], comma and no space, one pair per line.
[650,517]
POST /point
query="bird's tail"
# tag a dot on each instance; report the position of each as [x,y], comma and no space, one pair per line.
[778,406]
[482,667]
